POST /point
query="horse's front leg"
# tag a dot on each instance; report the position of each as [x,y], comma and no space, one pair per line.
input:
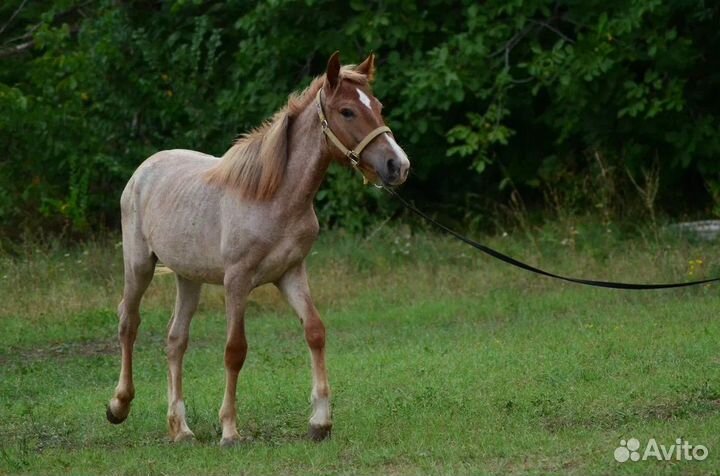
[237,288]
[295,287]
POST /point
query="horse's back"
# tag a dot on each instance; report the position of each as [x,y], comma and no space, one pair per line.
[163,172]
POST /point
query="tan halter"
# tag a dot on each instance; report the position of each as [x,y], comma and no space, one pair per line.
[354,154]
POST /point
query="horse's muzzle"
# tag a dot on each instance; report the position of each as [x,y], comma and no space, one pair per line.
[396,170]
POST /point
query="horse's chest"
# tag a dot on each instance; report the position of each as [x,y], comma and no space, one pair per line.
[284,254]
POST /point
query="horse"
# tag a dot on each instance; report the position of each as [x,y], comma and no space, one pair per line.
[244,220]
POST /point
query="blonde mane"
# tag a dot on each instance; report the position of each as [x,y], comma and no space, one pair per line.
[255,164]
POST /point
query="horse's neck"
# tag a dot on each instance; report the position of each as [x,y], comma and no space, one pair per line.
[308,159]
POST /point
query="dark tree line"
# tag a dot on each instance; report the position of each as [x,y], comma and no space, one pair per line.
[531,98]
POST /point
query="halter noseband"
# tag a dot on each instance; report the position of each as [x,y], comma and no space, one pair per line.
[354,154]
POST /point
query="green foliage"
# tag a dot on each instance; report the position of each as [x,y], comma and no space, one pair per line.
[508,90]
[349,202]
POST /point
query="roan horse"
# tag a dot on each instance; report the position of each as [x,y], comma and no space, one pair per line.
[244,220]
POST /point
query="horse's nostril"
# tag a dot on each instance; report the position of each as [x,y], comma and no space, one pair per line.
[392,166]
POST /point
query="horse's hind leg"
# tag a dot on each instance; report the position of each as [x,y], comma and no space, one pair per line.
[186,301]
[139,268]
[237,288]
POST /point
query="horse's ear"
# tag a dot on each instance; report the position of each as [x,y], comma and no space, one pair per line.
[367,67]
[333,70]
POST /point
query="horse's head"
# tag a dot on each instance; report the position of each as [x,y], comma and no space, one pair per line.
[354,116]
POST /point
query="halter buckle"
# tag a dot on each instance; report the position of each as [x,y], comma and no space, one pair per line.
[324,124]
[353,157]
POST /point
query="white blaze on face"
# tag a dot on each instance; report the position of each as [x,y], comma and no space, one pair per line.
[401,155]
[364,98]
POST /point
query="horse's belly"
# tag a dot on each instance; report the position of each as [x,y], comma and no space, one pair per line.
[191,251]
[209,275]
[179,213]
[193,265]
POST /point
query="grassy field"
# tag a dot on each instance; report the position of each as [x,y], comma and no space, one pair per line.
[441,361]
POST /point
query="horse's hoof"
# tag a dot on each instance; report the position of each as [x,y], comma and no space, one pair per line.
[112,418]
[184,437]
[319,433]
[231,441]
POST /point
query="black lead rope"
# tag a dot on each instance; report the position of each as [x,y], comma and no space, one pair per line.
[527,267]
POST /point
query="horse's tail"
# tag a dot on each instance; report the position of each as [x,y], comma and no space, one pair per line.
[161,269]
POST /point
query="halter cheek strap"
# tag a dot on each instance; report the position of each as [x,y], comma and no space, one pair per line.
[354,154]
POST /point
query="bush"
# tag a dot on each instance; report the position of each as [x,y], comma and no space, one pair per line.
[482,96]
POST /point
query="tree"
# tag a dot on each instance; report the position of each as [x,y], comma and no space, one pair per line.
[515,92]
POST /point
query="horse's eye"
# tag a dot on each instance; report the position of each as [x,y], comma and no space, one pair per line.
[347,113]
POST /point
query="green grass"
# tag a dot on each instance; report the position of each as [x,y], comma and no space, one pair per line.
[441,361]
